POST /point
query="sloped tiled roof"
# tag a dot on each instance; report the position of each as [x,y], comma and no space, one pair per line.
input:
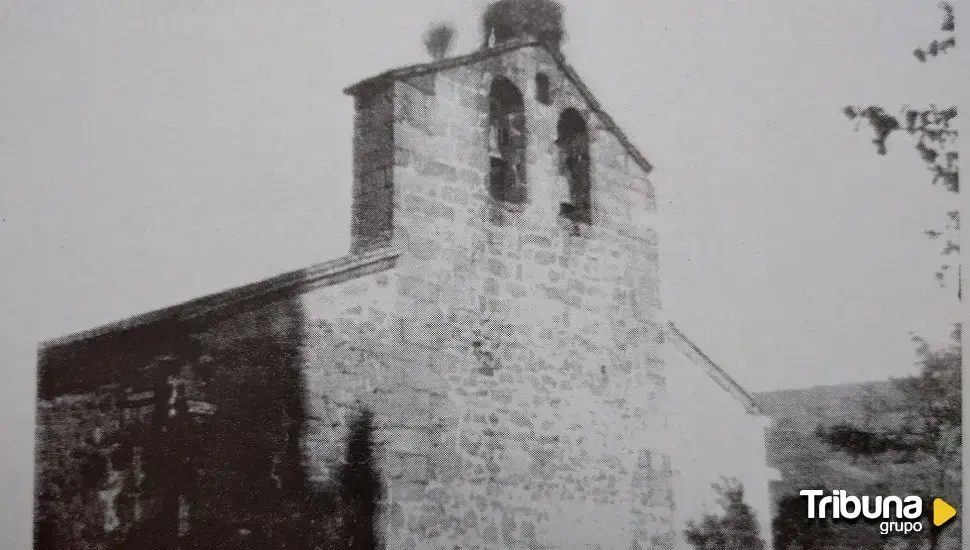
[500,49]
[322,274]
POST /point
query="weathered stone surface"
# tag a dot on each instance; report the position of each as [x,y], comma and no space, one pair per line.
[541,338]
[510,355]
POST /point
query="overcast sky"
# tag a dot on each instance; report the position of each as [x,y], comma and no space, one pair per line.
[152,152]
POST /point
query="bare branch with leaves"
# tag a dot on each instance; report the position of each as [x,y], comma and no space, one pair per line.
[934,132]
[923,433]
[944,45]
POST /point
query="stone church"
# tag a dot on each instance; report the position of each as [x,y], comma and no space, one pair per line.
[499,313]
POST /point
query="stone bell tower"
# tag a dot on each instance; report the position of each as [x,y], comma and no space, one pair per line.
[525,217]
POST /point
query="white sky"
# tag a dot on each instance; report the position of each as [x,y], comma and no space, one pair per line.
[151,152]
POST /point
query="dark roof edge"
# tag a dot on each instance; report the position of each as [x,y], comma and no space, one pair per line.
[448,63]
[713,370]
[425,68]
[595,104]
[315,276]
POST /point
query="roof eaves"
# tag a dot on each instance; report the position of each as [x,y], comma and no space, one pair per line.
[330,272]
[443,64]
[598,108]
[713,370]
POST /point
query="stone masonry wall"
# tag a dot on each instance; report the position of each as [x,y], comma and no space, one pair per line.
[529,432]
[373,192]
[71,489]
[512,357]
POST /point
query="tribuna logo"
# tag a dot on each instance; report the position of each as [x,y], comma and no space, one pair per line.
[906,511]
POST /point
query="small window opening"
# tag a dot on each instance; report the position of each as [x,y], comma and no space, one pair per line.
[507,142]
[542,88]
[573,142]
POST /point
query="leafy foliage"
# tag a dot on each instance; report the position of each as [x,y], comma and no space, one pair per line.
[540,19]
[930,424]
[792,527]
[360,487]
[736,528]
[944,45]
[935,133]
[934,130]
[925,432]
[438,39]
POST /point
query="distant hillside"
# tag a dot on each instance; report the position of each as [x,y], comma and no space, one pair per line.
[849,403]
[803,460]
[806,462]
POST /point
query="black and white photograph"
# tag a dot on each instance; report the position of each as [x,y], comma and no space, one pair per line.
[481,275]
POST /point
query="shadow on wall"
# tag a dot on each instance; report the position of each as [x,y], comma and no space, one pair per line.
[201,448]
